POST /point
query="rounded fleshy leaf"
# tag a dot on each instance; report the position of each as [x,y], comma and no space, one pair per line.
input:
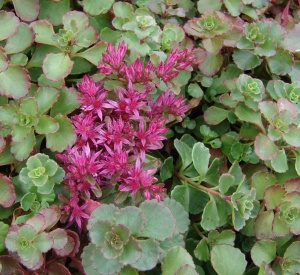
[260,181]
[104,266]
[281,63]
[57,66]
[263,225]
[212,45]
[43,32]
[132,217]
[160,226]
[21,150]
[2,144]
[53,10]
[179,213]
[21,40]
[46,97]
[6,114]
[291,40]
[263,251]
[96,7]
[3,232]
[104,212]
[46,125]
[66,103]
[79,18]
[27,10]
[221,259]
[93,54]
[87,37]
[98,230]
[204,5]
[175,258]
[9,24]
[60,238]
[246,60]
[132,252]
[50,167]
[211,65]
[27,201]
[43,242]
[273,196]
[186,269]
[45,219]
[15,82]
[264,148]
[215,115]
[8,194]
[292,137]
[19,133]
[3,60]
[150,255]
[63,137]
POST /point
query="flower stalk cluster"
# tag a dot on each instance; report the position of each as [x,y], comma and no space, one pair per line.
[116,129]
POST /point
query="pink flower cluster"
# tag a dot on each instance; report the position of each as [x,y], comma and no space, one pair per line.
[116,129]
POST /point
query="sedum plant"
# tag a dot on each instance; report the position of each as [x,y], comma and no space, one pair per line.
[149,136]
[30,241]
[126,240]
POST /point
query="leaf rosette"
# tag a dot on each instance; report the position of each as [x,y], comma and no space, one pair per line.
[132,236]
[209,25]
[41,172]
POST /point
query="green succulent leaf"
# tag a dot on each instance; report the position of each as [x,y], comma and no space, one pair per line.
[8,194]
[290,40]
[96,7]
[46,98]
[57,66]
[150,255]
[263,225]
[44,33]
[221,259]
[20,41]
[9,24]
[202,251]
[63,137]
[46,125]
[175,259]
[4,230]
[43,242]
[15,82]
[263,251]
[180,215]
[204,5]
[234,7]
[53,10]
[246,60]
[279,163]
[201,157]
[123,10]
[3,60]
[21,150]
[210,217]
[27,201]
[27,10]
[131,217]
[67,102]
[158,227]
[281,63]
[211,64]
[264,148]
[93,54]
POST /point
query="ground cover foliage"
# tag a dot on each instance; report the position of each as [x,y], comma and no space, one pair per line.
[149,137]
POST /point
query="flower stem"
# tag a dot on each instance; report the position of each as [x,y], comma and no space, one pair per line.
[198,186]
